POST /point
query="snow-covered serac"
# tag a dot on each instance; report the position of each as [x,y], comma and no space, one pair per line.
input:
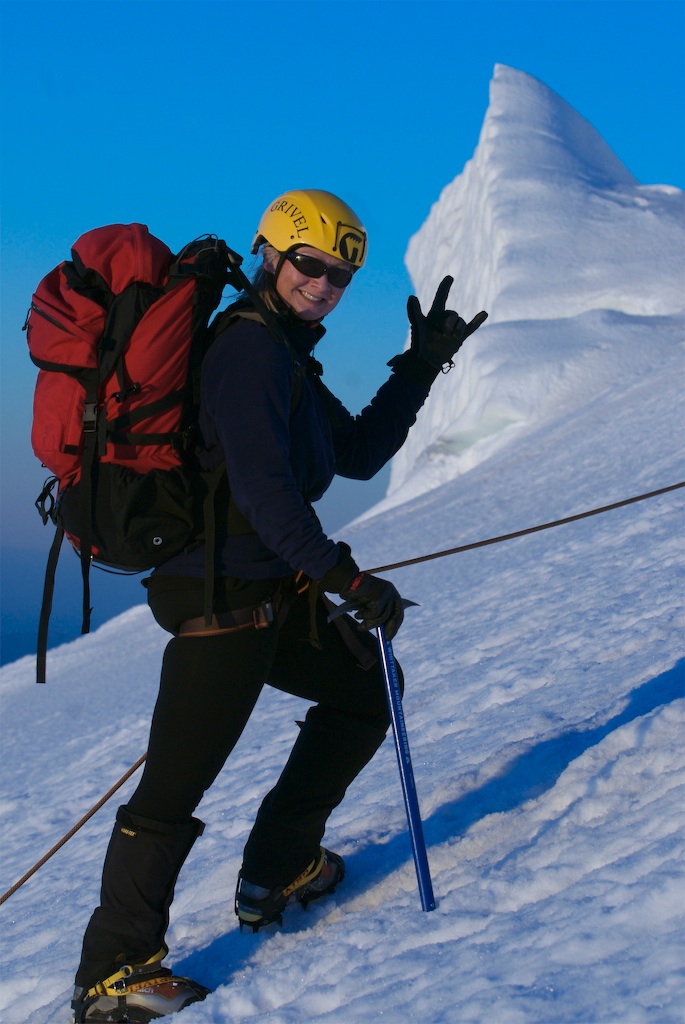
[545,221]
[544,224]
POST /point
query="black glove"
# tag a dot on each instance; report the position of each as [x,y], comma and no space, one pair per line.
[439,335]
[375,602]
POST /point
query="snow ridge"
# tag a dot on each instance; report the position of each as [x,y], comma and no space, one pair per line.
[543,227]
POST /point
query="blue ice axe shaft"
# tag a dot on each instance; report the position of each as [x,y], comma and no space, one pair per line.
[392,689]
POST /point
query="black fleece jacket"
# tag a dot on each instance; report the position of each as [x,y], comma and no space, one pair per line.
[283,442]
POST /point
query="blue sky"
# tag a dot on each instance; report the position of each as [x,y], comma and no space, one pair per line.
[190,116]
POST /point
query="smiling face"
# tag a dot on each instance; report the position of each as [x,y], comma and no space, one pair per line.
[311,298]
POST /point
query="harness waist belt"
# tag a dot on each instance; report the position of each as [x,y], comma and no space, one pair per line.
[229,622]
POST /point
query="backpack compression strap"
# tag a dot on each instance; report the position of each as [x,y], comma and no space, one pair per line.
[125,313]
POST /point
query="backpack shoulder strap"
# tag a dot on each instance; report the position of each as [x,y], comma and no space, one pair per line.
[238,310]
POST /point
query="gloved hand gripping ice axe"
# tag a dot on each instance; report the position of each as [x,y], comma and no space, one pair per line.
[350,607]
[372,601]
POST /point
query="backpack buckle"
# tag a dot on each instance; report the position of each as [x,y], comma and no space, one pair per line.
[90,417]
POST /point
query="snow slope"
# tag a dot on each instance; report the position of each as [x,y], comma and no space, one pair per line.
[544,701]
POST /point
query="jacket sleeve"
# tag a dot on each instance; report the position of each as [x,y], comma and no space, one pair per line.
[364,443]
[246,398]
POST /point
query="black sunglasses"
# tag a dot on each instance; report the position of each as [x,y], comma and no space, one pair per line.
[310,266]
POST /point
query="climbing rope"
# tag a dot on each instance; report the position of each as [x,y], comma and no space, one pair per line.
[380,568]
[74,830]
[523,533]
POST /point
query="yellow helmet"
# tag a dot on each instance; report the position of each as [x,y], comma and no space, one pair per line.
[312,217]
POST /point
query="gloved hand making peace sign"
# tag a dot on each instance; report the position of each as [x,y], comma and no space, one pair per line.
[438,335]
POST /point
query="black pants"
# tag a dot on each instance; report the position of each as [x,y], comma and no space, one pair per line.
[208,690]
[209,686]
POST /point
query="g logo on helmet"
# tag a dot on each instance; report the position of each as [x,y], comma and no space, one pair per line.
[351,244]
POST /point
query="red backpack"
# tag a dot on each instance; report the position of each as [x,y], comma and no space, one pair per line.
[119,333]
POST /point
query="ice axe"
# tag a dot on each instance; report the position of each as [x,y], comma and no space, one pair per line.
[393,693]
[399,729]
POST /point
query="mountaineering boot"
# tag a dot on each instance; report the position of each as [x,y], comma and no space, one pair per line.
[257,906]
[142,864]
[137,993]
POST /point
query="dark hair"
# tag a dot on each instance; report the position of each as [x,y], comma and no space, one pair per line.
[264,282]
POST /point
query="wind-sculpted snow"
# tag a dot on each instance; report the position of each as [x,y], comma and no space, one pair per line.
[545,711]
[543,224]
[545,221]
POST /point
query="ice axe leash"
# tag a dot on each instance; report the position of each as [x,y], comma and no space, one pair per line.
[411,803]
